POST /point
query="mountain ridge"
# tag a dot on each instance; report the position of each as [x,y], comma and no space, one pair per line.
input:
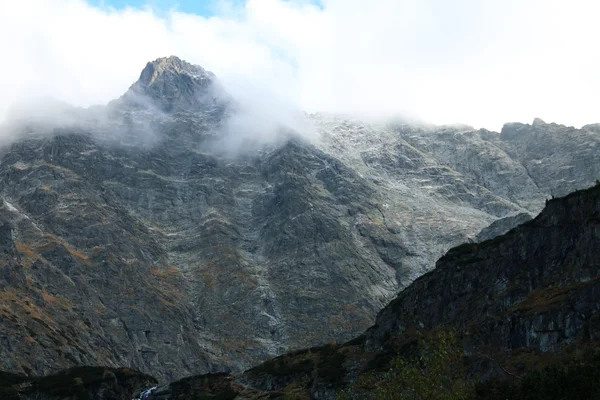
[518,302]
[517,327]
[137,244]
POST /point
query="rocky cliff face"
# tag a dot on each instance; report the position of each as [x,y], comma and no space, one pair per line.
[501,226]
[516,301]
[534,288]
[172,85]
[129,239]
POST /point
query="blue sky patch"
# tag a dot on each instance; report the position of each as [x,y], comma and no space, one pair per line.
[205,8]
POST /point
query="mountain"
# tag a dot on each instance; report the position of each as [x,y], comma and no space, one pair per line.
[525,299]
[132,239]
[501,226]
[172,85]
[520,301]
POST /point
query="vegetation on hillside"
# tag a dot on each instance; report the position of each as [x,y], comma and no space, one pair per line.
[437,371]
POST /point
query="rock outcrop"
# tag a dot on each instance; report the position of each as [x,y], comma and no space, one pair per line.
[536,287]
[501,226]
[173,85]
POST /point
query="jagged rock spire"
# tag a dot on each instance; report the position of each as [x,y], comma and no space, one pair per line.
[174,85]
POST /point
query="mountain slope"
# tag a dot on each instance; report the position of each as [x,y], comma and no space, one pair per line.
[535,287]
[137,241]
[525,299]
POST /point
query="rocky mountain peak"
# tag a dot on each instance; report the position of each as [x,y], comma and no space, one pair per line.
[165,66]
[174,85]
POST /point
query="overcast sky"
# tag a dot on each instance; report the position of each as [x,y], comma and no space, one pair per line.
[445,61]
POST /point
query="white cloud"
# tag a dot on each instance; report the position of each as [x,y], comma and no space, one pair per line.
[471,61]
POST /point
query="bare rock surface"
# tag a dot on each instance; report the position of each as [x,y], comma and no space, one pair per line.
[129,240]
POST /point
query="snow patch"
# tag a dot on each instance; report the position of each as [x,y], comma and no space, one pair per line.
[11,208]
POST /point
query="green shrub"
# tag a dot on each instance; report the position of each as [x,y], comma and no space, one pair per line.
[437,372]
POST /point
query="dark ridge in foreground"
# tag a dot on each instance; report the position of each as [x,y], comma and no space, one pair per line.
[76,383]
[523,302]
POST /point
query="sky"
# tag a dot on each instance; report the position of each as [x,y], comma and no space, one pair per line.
[204,8]
[478,62]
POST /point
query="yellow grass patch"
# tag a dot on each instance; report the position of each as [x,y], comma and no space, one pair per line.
[48,298]
[166,302]
[24,250]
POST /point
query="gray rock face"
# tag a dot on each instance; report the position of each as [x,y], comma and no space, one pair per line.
[137,244]
[172,85]
[526,298]
[501,226]
[535,288]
